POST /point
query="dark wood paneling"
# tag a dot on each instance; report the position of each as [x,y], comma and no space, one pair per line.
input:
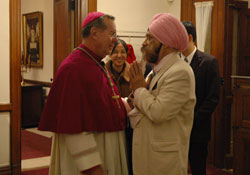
[241,152]
[241,125]
[243,62]
[241,110]
[5,170]
[217,49]
[232,8]
[227,79]
[219,120]
[32,104]
[5,107]
[15,85]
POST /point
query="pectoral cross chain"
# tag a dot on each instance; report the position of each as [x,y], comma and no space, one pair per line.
[115,96]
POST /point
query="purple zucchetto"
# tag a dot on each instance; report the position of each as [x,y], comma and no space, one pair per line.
[169,30]
[91,17]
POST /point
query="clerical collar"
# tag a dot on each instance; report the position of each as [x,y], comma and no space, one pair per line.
[163,61]
[190,56]
[99,59]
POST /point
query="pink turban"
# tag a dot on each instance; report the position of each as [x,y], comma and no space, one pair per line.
[168,29]
[91,17]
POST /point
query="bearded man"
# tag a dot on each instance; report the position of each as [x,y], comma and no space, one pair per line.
[164,107]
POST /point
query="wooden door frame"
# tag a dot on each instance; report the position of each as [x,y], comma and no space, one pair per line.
[14,107]
[15,87]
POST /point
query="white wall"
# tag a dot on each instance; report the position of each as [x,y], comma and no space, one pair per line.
[46,6]
[4,45]
[5,139]
[5,83]
[133,16]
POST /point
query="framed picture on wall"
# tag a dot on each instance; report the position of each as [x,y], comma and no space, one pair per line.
[33,39]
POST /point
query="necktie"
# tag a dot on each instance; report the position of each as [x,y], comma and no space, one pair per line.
[185,59]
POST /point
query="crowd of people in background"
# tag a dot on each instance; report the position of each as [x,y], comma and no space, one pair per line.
[119,118]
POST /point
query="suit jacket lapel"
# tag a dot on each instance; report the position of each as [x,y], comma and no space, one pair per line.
[196,60]
[168,64]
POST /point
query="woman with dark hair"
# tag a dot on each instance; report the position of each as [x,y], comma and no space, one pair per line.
[118,68]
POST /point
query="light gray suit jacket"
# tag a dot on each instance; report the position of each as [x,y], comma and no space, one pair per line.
[162,132]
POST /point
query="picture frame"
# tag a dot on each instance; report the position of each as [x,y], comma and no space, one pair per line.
[33,39]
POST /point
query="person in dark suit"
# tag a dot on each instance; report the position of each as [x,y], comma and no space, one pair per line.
[207,90]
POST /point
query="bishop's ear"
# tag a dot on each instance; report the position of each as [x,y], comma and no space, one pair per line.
[94,32]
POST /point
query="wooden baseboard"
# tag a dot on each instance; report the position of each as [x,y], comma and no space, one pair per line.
[5,170]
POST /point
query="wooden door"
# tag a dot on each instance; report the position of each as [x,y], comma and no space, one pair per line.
[241,125]
[81,12]
[68,17]
[243,63]
[62,31]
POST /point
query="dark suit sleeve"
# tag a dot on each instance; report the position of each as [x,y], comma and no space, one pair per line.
[212,91]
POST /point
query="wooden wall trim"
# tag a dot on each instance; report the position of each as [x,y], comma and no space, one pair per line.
[5,170]
[43,83]
[5,107]
[15,85]
[228,46]
[78,22]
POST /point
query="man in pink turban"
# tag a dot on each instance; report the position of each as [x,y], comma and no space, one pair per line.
[164,104]
[84,109]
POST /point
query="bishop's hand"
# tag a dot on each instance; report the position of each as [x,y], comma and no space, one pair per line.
[136,76]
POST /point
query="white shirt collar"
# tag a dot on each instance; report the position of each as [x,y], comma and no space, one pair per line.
[190,56]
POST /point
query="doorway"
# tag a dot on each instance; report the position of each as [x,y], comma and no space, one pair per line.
[15,64]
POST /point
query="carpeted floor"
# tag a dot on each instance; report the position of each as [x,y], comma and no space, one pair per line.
[34,145]
[210,171]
